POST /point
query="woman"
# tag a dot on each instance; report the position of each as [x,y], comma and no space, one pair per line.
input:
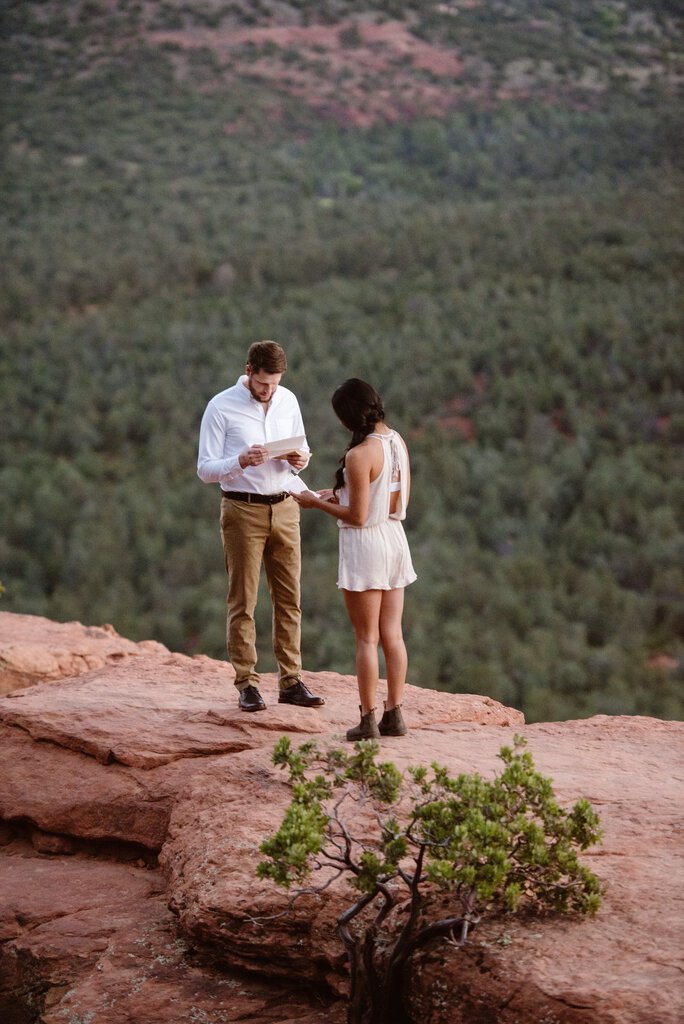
[369,501]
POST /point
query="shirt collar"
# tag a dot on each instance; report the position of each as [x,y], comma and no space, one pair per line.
[244,390]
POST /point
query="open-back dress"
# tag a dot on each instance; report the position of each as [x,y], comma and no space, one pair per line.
[376,556]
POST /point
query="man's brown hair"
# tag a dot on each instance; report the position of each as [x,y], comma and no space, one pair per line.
[267,356]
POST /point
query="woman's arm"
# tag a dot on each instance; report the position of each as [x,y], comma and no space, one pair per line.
[358,466]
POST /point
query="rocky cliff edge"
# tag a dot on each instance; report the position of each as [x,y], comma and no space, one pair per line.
[134,797]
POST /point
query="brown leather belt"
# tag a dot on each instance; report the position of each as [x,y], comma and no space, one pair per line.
[255,499]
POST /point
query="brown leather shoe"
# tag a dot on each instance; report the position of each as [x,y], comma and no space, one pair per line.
[367,729]
[250,699]
[301,696]
[392,722]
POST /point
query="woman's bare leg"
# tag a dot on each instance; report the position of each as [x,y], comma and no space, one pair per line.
[394,648]
[363,608]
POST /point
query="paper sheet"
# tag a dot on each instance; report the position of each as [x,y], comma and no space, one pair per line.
[284,446]
[297,485]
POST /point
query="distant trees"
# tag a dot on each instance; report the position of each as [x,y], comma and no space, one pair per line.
[507,276]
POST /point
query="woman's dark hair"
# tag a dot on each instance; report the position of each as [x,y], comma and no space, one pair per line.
[359,407]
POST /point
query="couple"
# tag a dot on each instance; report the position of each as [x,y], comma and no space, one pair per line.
[260,522]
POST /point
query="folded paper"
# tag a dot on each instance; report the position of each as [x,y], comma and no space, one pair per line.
[284,446]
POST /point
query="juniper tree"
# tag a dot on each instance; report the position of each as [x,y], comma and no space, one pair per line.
[407,841]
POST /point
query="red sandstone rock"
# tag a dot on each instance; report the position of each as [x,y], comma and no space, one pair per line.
[148,752]
[33,649]
[94,941]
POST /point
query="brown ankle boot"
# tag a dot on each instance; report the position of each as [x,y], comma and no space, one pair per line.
[392,722]
[367,729]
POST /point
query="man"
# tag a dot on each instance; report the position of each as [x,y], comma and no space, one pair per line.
[259,518]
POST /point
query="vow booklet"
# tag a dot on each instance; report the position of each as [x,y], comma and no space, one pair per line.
[296,485]
[284,446]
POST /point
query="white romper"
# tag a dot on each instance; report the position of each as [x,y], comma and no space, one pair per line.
[376,556]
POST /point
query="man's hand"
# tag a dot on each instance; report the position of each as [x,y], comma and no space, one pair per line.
[256,455]
[298,460]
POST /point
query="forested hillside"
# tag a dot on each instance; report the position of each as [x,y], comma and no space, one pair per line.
[475,206]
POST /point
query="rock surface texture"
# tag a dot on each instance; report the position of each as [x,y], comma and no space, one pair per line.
[133,799]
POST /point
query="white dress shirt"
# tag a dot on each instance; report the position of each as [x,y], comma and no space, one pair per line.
[233,421]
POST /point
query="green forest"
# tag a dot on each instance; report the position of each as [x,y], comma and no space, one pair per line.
[507,273]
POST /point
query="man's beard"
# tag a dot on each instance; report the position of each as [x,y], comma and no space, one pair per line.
[256,397]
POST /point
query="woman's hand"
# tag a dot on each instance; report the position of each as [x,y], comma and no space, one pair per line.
[328,495]
[306,499]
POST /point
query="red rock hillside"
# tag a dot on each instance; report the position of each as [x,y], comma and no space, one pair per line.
[134,797]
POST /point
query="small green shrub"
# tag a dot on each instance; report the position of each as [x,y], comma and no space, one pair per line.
[406,841]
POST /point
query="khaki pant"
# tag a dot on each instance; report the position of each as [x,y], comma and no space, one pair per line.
[253,534]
